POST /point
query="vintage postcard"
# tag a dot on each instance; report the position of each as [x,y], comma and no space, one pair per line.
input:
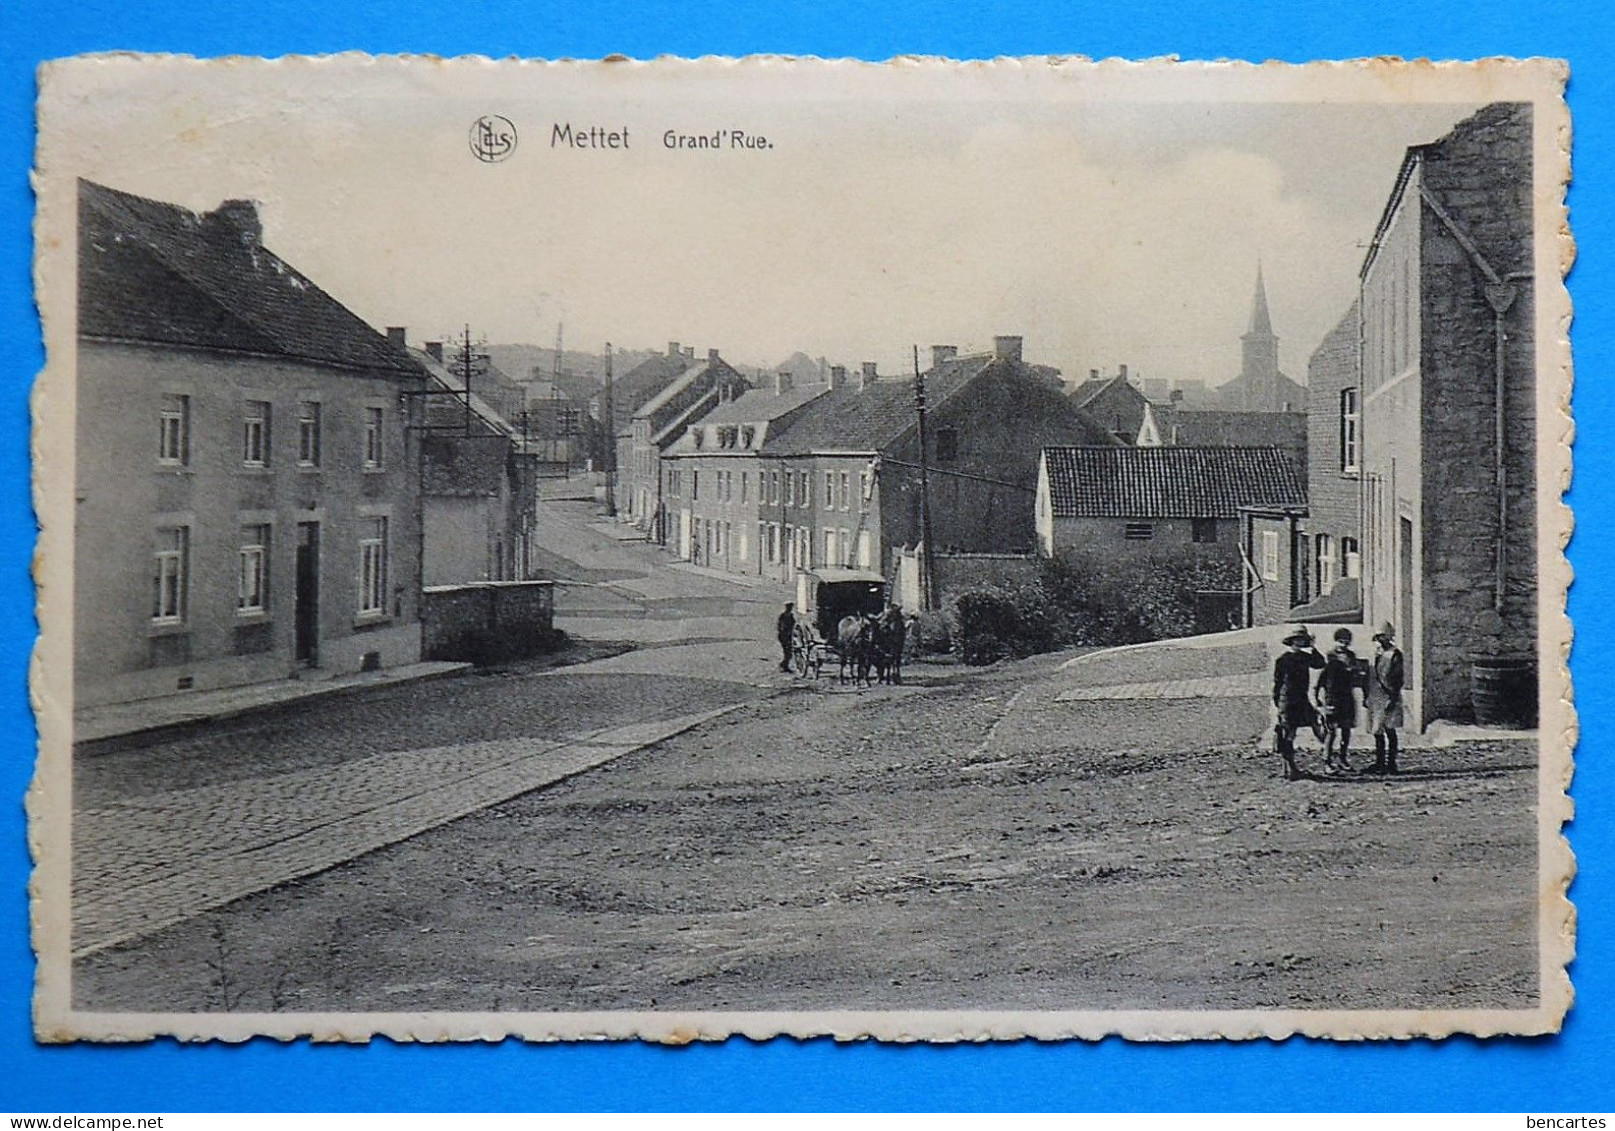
[924,550]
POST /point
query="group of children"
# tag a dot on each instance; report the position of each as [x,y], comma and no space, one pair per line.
[1331,704]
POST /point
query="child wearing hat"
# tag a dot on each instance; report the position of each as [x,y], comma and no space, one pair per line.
[1292,688]
[1342,674]
[1384,699]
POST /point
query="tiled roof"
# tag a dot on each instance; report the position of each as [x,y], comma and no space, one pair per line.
[155,272]
[759,407]
[445,378]
[644,381]
[1180,482]
[1207,427]
[849,419]
[1084,394]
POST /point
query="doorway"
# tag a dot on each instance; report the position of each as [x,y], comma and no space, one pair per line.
[306,600]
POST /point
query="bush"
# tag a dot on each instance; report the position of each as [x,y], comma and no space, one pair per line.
[1083,603]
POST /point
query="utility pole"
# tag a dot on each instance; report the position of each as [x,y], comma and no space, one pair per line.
[470,362]
[555,391]
[611,443]
[928,560]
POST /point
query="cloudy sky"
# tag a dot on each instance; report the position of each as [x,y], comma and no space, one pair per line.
[1103,230]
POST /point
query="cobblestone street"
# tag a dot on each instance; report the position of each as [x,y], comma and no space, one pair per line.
[167,827]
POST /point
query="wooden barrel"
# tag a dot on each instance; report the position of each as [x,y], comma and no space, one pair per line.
[1503,690]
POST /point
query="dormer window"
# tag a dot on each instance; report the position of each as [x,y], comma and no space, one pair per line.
[748,436]
[696,435]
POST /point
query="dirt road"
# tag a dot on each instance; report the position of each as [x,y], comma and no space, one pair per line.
[970,840]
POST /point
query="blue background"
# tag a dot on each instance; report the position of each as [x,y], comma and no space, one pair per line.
[1572,1071]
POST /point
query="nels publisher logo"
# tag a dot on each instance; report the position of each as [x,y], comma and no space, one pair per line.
[493,138]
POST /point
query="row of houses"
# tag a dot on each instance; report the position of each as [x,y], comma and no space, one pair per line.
[264,483]
[767,481]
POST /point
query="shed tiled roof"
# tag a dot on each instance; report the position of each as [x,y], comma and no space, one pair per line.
[1180,482]
[155,272]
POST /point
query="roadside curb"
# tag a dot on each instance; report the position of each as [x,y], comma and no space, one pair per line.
[323,690]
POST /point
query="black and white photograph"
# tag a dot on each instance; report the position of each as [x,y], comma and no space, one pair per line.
[925,550]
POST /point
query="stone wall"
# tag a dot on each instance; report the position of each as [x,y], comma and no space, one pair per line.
[1480,176]
[958,572]
[488,622]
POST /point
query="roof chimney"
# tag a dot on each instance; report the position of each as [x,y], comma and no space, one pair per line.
[434,350]
[241,217]
[1007,347]
[838,376]
[672,349]
[866,375]
[689,353]
[940,354]
[1121,371]
[395,335]
[1093,374]
[712,357]
[782,382]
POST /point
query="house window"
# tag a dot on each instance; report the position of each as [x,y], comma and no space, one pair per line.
[773,487]
[803,496]
[745,486]
[829,547]
[865,489]
[947,445]
[829,489]
[252,590]
[844,546]
[673,483]
[1270,555]
[308,434]
[790,489]
[1138,531]
[373,451]
[1205,530]
[695,484]
[373,567]
[255,434]
[169,576]
[1350,420]
[1350,559]
[845,488]
[174,431]
[1326,564]
[865,551]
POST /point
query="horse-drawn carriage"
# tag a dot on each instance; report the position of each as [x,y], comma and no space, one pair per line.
[838,616]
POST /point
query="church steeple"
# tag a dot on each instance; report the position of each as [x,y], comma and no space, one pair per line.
[1261,322]
[1259,376]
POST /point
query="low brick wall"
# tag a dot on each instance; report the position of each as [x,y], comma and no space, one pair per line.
[488,622]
